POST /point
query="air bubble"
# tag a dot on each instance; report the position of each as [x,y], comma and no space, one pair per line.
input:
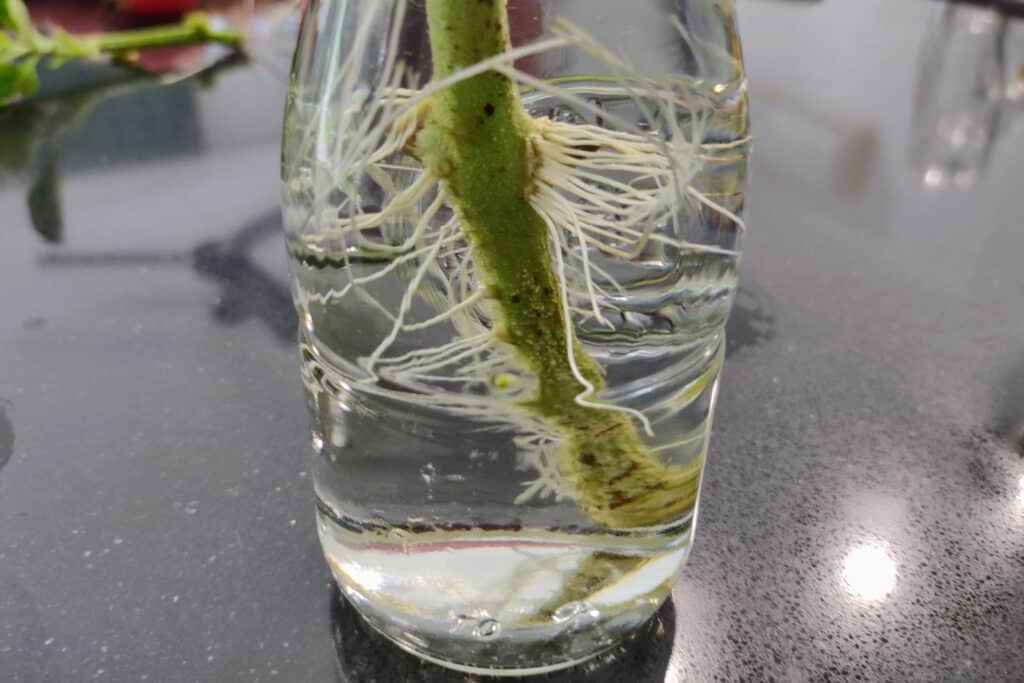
[584,620]
[567,611]
[563,113]
[487,629]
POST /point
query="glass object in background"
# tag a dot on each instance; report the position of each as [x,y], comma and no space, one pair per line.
[962,88]
[510,439]
[1014,46]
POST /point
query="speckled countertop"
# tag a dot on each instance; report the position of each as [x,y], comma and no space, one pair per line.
[863,515]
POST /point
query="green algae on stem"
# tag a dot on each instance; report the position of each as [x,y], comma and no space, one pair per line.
[480,142]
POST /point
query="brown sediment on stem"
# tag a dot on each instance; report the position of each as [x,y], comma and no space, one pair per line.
[599,571]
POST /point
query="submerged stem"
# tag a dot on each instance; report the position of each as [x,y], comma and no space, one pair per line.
[480,141]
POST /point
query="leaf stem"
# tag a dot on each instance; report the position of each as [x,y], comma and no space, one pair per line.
[22,47]
[194,28]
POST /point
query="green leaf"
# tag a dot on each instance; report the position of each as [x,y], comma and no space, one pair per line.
[28,82]
[18,78]
[12,48]
[14,16]
[19,129]
[67,47]
[9,75]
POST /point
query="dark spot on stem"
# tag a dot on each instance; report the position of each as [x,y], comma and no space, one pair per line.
[588,459]
[626,473]
[515,298]
[489,109]
[619,500]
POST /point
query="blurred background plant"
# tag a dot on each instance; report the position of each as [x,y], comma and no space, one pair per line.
[60,59]
[51,34]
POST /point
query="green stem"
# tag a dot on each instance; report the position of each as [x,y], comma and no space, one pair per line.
[194,28]
[477,138]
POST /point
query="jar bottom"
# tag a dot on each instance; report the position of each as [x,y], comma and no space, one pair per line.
[522,651]
[463,603]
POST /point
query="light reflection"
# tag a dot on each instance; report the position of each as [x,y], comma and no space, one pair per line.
[869,572]
[1021,495]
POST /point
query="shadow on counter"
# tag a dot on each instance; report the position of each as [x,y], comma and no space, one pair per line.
[752,322]
[86,113]
[1008,406]
[246,291]
[365,655]
[6,434]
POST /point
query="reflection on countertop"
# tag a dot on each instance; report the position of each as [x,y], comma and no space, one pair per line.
[869,572]
[87,117]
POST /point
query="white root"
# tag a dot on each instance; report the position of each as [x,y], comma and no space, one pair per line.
[583,398]
[618,192]
[407,299]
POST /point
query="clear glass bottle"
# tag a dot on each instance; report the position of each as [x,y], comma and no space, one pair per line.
[506,473]
[960,96]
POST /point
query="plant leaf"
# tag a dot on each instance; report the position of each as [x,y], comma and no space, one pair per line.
[67,46]
[20,127]
[12,48]
[14,16]
[18,78]
[8,81]
[28,82]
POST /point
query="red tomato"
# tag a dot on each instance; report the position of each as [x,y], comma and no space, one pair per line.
[152,8]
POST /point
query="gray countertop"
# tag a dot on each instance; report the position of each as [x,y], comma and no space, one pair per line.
[863,513]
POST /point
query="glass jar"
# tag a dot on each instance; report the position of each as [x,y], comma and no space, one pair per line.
[513,231]
[962,89]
